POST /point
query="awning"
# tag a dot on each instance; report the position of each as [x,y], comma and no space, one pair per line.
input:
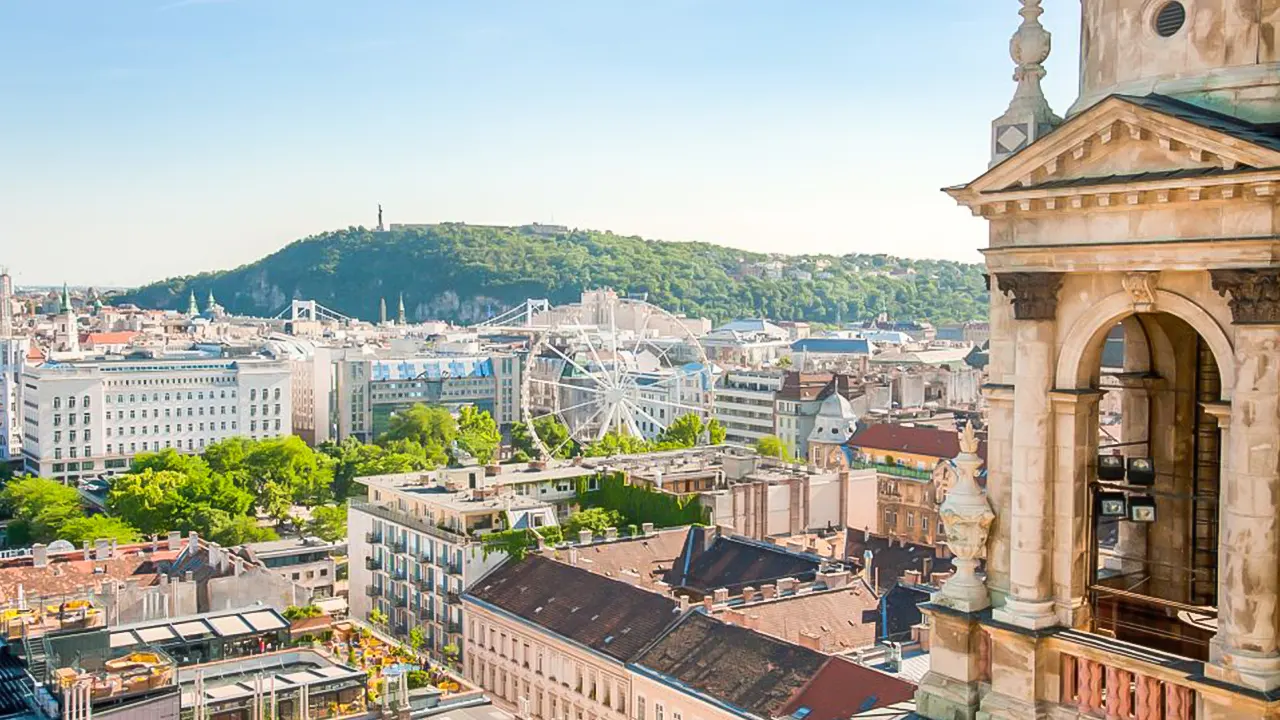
[332,605]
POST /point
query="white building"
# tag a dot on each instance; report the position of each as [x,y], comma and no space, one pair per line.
[84,417]
[744,403]
[416,545]
[13,355]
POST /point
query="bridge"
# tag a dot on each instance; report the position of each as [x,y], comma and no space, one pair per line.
[532,314]
[310,310]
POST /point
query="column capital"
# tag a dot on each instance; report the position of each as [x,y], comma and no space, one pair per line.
[1076,398]
[1220,411]
[1254,294]
[1035,294]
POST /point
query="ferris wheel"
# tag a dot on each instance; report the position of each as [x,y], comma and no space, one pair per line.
[613,365]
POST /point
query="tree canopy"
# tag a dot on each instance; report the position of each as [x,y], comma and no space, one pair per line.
[39,508]
[462,273]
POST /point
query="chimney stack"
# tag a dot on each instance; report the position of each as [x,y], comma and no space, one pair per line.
[768,592]
[101,549]
[708,603]
[748,594]
[911,577]
[88,551]
[175,541]
[786,585]
[39,555]
[813,641]
[573,556]
[647,528]
[611,534]
[721,596]
[585,537]
[834,578]
[684,603]
[189,576]
[193,542]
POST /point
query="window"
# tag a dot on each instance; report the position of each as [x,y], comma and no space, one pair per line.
[911,520]
[1170,19]
[657,711]
[57,420]
[57,453]
[86,435]
[57,403]
[57,436]
[639,708]
[71,453]
[87,419]
[88,451]
[71,435]
[85,404]
[253,394]
[71,418]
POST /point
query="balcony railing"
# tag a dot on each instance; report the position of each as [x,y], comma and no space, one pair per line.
[399,601]
[426,614]
[372,591]
[894,470]
[453,627]
[452,598]
[398,546]
[372,563]
[1102,677]
[373,538]
[399,573]
[409,521]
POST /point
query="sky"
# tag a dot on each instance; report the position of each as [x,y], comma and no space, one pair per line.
[141,139]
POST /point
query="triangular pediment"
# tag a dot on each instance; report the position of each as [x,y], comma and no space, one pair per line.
[1124,137]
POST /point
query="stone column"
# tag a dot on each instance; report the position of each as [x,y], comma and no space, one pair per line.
[1035,304]
[1076,445]
[1245,650]
[998,393]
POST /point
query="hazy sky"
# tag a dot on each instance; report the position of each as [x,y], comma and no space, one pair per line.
[146,138]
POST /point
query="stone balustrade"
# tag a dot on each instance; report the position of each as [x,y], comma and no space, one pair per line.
[1114,690]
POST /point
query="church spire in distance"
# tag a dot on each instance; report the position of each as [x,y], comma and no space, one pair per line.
[192,308]
[400,313]
[1029,116]
[382,311]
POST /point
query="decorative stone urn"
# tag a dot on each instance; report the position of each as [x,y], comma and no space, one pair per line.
[967,517]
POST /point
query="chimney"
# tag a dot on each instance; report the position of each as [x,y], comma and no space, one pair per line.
[768,592]
[786,585]
[813,641]
[721,596]
[155,543]
[175,541]
[585,537]
[193,542]
[101,549]
[920,634]
[748,594]
[189,576]
[647,528]
[115,548]
[610,534]
[684,603]
[708,603]
[911,577]
[39,555]
[573,556]
[88,551]
[834,578]
[236,566]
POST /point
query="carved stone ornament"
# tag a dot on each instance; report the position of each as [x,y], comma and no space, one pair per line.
[1141,287]
[1254,294]
[1035,294]
[967,517]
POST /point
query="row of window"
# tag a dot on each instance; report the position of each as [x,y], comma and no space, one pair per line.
[71,419]
[71,435]
[168,429]
[71,402]
[169,397]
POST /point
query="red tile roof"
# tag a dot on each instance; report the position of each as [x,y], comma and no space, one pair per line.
[842,689]
[122,337]
[915,439]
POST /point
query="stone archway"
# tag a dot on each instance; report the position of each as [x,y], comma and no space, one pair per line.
[1083,342]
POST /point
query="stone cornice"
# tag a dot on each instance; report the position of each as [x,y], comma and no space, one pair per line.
[1165,255]
[1252,293]
[1102,196]
[1035,294]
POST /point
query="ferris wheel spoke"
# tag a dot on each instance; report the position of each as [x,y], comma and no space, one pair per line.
[613,339]
[662,427]
[592,348]
[683,406]
[608,421]
[593,401]
[566,386]
[640,335]
[575,364]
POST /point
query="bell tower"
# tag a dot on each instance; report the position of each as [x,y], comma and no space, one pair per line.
[1222,55]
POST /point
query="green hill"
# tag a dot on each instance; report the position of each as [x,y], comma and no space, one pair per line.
[466,273]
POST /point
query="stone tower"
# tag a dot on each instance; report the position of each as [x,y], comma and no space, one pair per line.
[1219,54]
[1133,397]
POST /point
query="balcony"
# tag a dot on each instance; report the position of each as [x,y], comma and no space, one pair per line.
[373,538]
[409,521]
[426,614]
[893,470]
[422,584]
[1101,677]
[399,573]
[453,568]
[453,628]
[372,591]
[399,601]
[398,547]
[372,563]
[452,598]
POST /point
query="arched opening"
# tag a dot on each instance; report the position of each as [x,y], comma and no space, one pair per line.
[1154,485]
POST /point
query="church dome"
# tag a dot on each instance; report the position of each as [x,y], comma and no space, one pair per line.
[1219,54]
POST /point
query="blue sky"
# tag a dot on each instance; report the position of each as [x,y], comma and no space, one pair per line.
[148,138]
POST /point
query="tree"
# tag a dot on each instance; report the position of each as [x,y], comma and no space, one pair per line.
[428,426]
[302,474]
[328,522]
[594,519]
[193,466]
[82,530]
[772,446]
[241,530]
[683,432]
[551,431]
[783,362]
[478,434]
[417,638]
[377,617]
[39,507]
[294,613]
[150,500]
[716,432]
[614,443]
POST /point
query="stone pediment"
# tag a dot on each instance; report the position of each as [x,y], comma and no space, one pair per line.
[1128,139]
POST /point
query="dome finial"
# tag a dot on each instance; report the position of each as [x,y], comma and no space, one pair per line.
[1029,116]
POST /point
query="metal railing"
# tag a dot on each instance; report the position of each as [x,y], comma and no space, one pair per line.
[372,591]
[409,521]
[894,470]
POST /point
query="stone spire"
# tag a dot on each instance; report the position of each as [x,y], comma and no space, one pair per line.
[210,303]
[66,299]
[1029,117]
[382,311]
[400,313]
[73,328]
[192,309]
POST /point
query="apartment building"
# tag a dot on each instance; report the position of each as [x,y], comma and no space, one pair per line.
[418,542]
[82,418]
[744,403]
[13,357]
[307,561]
[369,389]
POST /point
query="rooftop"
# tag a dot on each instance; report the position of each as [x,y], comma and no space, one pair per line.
[222,624]
[608,616]
[843,689]
[835,620]
[233,679]
[914,439]
[287,546]
[640,561]
[745,669]
[711,560]
[79,573]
